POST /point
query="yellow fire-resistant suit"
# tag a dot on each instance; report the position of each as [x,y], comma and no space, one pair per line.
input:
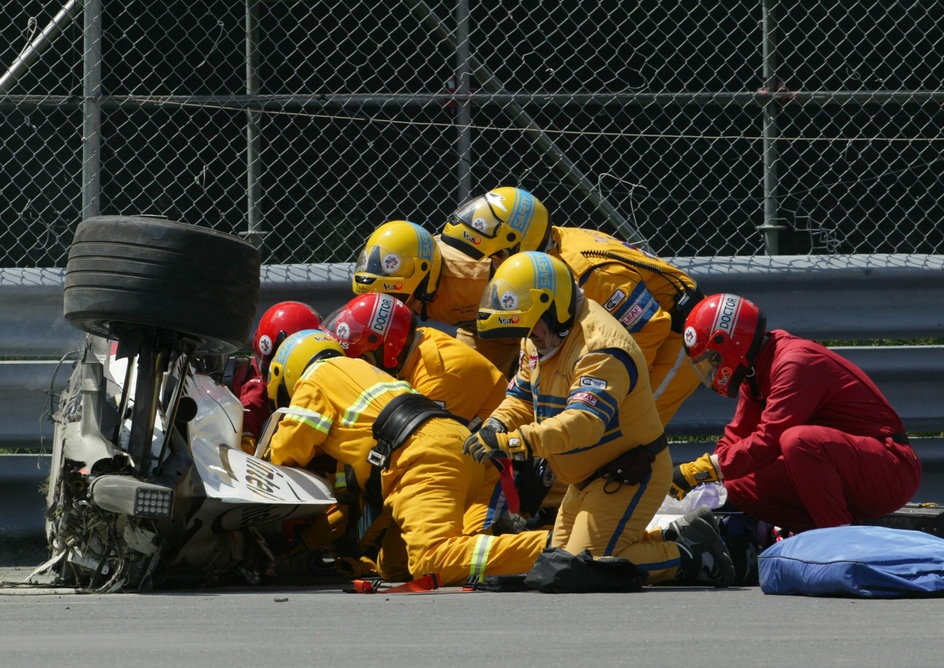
[582,407]
[454,375]
[467,385]
[638,289]
[456,302]
[437,496]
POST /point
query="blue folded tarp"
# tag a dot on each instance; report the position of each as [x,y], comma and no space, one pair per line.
[865,561]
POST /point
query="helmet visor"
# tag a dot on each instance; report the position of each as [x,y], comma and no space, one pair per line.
[706,366]
[507,311]
[474,229]
[380,269]
[382,261]
[348,331]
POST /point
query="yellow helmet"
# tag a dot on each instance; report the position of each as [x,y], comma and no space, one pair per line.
[527,287]
[401,259]
[294,355]
[508,219]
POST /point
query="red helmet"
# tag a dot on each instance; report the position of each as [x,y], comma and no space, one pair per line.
[723,334]
[371,321]
[279,322]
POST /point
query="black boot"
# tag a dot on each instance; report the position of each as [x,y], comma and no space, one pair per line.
[704,556]
[676,527]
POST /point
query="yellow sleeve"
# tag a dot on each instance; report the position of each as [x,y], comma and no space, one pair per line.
[491,398]
[621,291]
[296,440]
[601,382]
[517,408]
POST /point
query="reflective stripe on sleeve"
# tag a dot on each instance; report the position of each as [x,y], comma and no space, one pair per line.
[309,418]
[360,404]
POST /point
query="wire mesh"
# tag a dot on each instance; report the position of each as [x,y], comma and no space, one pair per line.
[697,129]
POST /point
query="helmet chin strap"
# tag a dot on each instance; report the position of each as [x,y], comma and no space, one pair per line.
[549,354]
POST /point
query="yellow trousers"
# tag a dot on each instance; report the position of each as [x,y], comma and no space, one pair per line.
[439,498]
[611,521]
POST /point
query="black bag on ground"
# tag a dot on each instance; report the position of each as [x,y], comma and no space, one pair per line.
[926,517]
[513,582]
[557,571]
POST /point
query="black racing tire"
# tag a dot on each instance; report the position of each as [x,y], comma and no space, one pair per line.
[155,273]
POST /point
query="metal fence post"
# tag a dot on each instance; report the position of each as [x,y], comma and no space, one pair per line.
[253,231]
[568,167]
[464,104]
[771,225]
[91,108]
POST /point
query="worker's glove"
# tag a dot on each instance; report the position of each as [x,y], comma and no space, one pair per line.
[487,444]
[495,425]
[248,444]
[355,567]
[688,475]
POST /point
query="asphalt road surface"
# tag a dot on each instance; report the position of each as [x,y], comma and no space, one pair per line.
[288,626]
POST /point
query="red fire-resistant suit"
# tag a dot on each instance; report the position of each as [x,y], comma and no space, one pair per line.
[819,446]
[253,395]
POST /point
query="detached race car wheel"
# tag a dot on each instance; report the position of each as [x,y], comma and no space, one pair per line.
[155,273]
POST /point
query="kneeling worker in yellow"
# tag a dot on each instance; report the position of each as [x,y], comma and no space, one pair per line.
[405,451]
[582,400]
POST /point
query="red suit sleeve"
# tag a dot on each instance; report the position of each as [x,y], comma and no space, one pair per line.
[254,397]
[752,439]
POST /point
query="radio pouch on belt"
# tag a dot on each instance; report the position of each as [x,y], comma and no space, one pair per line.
[630,468]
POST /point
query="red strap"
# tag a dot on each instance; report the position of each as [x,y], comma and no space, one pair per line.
[507,476]
[426,582]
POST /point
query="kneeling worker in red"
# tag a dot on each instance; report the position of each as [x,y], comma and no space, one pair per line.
[813,443]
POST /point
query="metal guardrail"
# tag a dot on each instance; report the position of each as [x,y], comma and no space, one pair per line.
[22,501]
[821,297]
[837,297]
[910,377]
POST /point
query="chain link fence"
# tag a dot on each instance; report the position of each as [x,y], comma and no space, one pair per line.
[697,128]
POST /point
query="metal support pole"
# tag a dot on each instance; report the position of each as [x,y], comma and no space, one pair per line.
[464,106]
[91,109]
[570,170]
[771,226]
[254,232]
[29,55]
